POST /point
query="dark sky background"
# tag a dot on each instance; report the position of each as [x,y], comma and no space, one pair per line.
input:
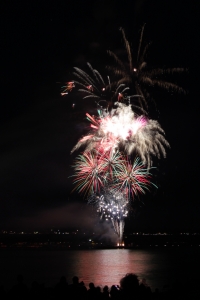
[41,42]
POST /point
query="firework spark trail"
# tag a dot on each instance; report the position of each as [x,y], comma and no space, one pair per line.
[139,75]
[112,206]
[96,88]
[68,88]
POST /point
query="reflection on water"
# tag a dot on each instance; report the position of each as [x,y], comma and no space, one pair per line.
[109,266]
[103,267]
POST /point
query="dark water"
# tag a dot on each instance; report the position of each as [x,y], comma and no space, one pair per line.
[158,266]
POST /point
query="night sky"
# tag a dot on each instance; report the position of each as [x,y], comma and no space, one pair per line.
[41,42]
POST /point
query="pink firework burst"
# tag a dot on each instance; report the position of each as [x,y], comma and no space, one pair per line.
[132,179]
[89,174]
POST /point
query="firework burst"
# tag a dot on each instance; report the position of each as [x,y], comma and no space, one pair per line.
[89,175]
[123,129]
[112,162]
[112,206]
[95,171]
[132,179]
[95,87]
[114,167]
[137,74]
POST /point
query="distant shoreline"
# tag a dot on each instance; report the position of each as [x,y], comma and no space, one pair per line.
[79,242]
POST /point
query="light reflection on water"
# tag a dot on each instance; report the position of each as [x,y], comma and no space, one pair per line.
[103,267]
[109,266]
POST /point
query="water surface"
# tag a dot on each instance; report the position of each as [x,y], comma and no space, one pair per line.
[103,267]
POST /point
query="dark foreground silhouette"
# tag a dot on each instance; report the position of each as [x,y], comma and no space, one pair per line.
[129,288]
